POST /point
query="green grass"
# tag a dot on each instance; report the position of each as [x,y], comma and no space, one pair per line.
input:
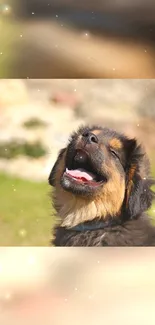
[26,215]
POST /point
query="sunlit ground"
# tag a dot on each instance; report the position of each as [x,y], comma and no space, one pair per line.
[80,286]
[26,214]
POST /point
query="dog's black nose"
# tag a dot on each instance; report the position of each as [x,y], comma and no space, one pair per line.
[90,137]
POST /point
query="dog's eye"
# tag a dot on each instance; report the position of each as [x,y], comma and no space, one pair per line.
[85,134]
[113,152]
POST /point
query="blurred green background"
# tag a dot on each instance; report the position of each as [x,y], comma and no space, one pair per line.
[36,118]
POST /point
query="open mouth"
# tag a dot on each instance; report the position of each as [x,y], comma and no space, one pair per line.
[81,170]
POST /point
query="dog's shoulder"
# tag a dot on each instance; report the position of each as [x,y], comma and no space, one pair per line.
[139,232]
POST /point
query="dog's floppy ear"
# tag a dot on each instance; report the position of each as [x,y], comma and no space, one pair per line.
[51,178]
[139,195]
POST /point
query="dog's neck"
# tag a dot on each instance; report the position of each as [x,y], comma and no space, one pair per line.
[74,211]
[79,212]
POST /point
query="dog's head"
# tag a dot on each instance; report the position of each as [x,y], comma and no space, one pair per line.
[101,173]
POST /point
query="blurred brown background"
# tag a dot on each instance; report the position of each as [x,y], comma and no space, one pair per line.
[84,39]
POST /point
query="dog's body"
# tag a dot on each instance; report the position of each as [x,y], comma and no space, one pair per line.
[101,191]
[132,233]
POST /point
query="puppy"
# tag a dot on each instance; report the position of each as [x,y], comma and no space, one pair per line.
[102,189]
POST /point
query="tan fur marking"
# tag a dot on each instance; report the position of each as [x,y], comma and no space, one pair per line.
[78,141]
[96,132]
[115,143]
[130,181]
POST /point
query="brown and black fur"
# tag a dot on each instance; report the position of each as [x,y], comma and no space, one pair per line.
[118,203]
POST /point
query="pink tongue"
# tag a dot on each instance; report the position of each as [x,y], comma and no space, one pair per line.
[79,173]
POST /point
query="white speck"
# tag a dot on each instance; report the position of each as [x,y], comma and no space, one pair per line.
[56,16]
[114,69]
[21,35]
[153,210]
[1,53]
[66,300]
[98,262]
[75,289]
[22,233]
[75,90]
[86,34]
[145,51]
[137,124]
[38,89]
[145,190]
[144,178]
[14,190]
[6,8]
[32,13]
[6,149]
